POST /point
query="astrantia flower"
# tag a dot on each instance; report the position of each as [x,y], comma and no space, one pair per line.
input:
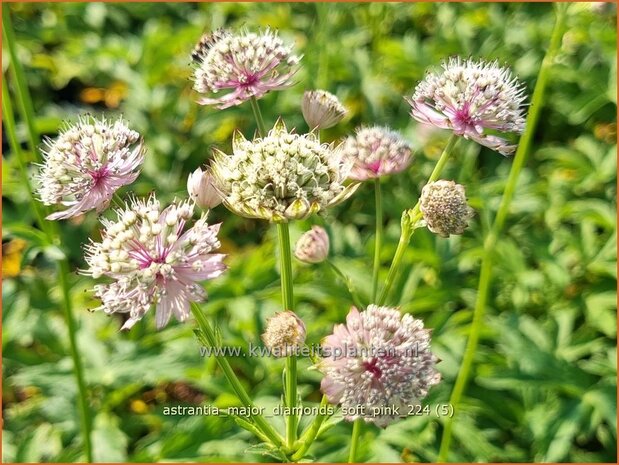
[473,99]
[322,109]
[377,363]
[376,152]
[312,246]
[284,334]
[281,176]
[444,207]
[155,258]
[201,189]
[86,164]
[246,64]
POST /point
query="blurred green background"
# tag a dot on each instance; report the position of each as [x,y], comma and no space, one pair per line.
[544,382]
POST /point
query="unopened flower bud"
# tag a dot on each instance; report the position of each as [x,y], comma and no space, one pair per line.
[444,207]
[322,109]
[313,246]
[201,189]
[284,334]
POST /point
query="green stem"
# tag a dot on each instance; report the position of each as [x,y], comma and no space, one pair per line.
[288,302]
[238,388]
[348,282]
[311,433]
[258,115]
[63,273]
[50,231]
[410,218]
[354,441]
[11,133]
[19,80]
[485,277]
[118,201]
[322,36]
[379,238]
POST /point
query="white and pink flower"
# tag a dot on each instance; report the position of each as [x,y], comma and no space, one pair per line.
[245,65]
[86,164]
[377,363]
[375,152]
[474,99]
[154,258]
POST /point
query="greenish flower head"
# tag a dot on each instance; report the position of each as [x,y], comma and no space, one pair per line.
[280,177]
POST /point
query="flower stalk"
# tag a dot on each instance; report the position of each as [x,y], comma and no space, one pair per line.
[310,435]
[19,80]
[354,440]
[485,277]
[50,231]
[378,238]
[283,233]
[410,220]
[209,337]
[255,108]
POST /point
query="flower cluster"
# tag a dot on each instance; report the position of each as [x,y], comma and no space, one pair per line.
[280,177]
[378,361]
[322,109]
[86,164]
[376,152]
[153,258]
[471,97]
[246,64]
[284,334]
[444,207]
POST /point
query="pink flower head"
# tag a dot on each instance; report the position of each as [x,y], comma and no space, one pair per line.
[375,152]
[471,98]
[246,64]
[154,258]
[86,164]
[378,364]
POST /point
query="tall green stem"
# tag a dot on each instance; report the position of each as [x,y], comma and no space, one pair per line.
[379,238]
[19,80]
[288,302]
[485,277]
[50,230]
[11,133]
[63,273]
[312,431]
[258,116]
[354,441]
[265,428]
[410,218]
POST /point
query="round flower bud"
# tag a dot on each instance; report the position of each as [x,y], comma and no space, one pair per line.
[313,246]
[202,191]
[284,334]
[322,109]
[444,207]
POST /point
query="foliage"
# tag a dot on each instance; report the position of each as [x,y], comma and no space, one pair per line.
[544,381]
